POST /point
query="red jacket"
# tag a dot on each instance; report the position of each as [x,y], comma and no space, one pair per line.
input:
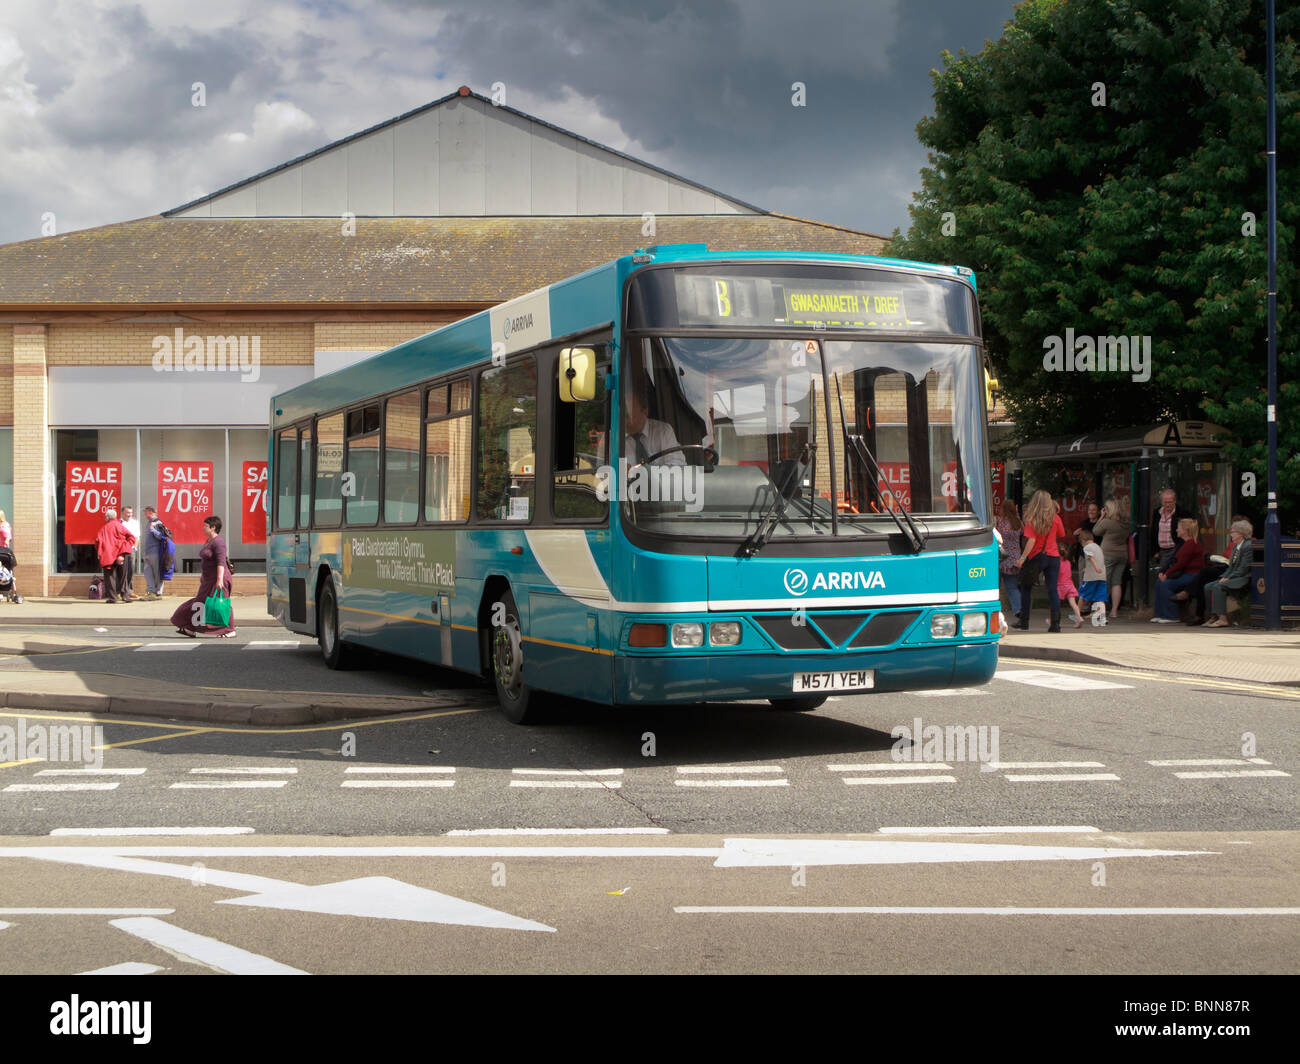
[112,541]
[1189,559]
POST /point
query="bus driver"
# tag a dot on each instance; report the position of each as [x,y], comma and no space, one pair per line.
[647,436]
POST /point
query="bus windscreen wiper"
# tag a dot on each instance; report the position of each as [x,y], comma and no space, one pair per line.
[775,509]
[855,444]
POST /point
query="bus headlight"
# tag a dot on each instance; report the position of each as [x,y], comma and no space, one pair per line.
[974,623]
[943,625]
[688,634]
[724,633]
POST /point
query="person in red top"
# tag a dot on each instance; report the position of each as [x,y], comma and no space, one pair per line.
[1187,563]
[1043,529]
[113,543]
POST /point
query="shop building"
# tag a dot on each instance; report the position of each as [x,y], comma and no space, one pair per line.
[138,360]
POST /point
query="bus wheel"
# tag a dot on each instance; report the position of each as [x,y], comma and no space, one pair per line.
[799,703]
[518,702]
[332,648]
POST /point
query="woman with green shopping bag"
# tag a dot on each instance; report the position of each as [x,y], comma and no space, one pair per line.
[196,616]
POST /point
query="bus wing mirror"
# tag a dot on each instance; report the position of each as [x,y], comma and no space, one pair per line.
[577,374]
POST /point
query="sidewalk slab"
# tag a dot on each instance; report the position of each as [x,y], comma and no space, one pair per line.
[250,612]
[1251,654]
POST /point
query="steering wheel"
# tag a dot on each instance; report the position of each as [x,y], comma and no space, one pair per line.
[710,455]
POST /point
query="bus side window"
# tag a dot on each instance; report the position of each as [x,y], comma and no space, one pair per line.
[362,486]
[305,453]
[447,451]
[329,470]
[402,458]
[286,478]
[507,435]
[580,450]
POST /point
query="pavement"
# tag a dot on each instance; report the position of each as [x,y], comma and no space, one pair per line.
[1235,653]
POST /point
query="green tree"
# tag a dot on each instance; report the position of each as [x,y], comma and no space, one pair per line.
[1098,167]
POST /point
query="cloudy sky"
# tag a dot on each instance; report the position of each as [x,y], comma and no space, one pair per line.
[97,123]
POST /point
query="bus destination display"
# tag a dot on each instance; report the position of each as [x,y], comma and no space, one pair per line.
[762,301]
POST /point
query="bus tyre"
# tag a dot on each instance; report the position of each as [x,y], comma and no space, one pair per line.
[332,648]
[798,703]
[519,703]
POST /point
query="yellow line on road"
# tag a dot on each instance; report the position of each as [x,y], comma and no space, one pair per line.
[24,761]
[154,738]
[343,725]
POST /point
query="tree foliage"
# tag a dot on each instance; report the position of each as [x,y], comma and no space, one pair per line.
[1124,217]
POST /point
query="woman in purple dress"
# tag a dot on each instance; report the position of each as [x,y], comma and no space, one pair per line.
[215,573]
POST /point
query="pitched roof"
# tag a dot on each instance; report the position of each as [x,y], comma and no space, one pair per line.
[280,262]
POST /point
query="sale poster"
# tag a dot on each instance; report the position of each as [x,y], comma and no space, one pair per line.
[896,476]
[185,498]
[998,471]
[89,488]
[254,502]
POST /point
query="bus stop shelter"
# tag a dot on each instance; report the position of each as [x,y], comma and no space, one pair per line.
[1134,466]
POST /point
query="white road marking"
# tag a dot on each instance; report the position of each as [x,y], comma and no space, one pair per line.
[86,912]
[731,783]
[1057,681]
[949,692]
[891,766]
[571,784]
[567,771]
[1063,777]
[767,853]
[1194,762]
[126,968]
[1230,774]
[178,645]
[3,925]
[200,949]
[399,771]
[273,644]
[63,786]
[993,766]
[226,785]
[373,784]
[738,770]
[152,831]
[254,771]
[91,772]
[558,831]
[956,910]
[860,780]
[1013,830]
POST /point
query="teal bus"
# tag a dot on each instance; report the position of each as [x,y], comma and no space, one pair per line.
[680,477]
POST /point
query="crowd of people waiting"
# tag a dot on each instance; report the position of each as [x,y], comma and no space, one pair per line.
[1104,552]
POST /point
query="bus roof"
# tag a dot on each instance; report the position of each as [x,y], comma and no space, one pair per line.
[556,310]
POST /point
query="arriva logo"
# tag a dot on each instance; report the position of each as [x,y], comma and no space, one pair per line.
[796,581]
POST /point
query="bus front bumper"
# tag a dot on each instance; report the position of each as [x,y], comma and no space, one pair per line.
[660,679]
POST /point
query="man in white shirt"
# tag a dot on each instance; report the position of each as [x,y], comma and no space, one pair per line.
[647,436]
[133,526]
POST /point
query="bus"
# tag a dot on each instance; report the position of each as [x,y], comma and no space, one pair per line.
[680,477]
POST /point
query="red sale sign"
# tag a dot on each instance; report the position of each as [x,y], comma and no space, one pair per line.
[897,477]
[185,498]
[89,489]
[999,471]
[254,503]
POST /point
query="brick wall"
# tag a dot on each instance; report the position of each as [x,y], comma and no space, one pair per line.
[374,335]
[6,375]
[280,344]
[31,455]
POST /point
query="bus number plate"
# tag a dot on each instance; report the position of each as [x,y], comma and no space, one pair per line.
[853,680]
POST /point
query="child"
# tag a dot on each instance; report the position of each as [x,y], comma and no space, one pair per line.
[1092,586]
[1069,593]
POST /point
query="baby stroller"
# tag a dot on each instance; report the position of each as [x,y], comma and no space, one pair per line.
[8,582]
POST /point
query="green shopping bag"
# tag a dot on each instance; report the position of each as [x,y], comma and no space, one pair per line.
[216,609]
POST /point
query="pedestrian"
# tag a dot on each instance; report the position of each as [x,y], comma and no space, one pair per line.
[1092,583]
[1091,513]
[113,543]
[188,618]
[1164,522]
[1237,575]
[1189,561]
[6,532]
[1009,527]
[132,526]
[1068,593]
[155,533]
[1043,529]
[1215,566]
[1113,532]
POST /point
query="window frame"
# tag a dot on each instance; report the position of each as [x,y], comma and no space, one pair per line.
[447,383]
